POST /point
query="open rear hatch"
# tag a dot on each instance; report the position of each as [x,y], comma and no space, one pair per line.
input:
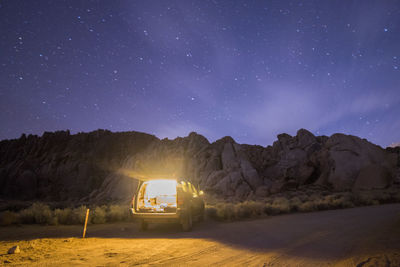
[157,196]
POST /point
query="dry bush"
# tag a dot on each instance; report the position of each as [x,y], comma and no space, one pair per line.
[249,209]
[295,203]
[278,206]
[242,210]
[43,214]
[98,215]
[384,197]
[343,201]
[326,202]
[257,208]
[225,211]
[26,216]
[40,213]
[117,213]
[37,213]
[366,198]
[211,212]
[78,215]
[64,216]
[8,218]
[307,206]
[230,211]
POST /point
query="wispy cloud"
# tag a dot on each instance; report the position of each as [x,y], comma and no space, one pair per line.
[181,129]
[286,108]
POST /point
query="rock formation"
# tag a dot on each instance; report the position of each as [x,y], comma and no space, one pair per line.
[103,166]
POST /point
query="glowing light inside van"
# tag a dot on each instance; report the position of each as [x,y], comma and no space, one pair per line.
[161,188]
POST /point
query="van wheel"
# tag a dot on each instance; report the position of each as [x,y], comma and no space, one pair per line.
[187,223]
[143,225]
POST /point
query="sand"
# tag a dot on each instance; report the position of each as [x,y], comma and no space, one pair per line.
[367,236]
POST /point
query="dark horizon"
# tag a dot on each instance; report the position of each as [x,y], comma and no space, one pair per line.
[183,136]
[249,70]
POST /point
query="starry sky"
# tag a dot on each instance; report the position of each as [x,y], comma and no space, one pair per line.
[247,69]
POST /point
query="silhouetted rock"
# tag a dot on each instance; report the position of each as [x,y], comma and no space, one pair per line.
[103,166]
[348,155]
[373,177]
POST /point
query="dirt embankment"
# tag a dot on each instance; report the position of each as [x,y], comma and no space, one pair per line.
[368,236]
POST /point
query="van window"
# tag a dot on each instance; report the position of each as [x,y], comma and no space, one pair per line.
[157,196]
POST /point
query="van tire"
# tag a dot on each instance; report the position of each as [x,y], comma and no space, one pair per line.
[143,225]
[187,222]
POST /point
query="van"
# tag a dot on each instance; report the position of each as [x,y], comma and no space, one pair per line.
[167,201]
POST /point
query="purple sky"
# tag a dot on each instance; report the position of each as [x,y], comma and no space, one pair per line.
[248,69]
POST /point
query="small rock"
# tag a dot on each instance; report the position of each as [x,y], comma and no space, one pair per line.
[14,250]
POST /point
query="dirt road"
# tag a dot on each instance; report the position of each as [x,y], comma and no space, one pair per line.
[368,236]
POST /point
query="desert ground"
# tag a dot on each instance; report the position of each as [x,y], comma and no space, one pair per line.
[366,236]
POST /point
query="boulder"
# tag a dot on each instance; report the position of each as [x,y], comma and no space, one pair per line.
[242,191]
[14,250]
[277,186]
[373,176]
[228,157]
[100,166]
[213,179]
[26,184]
[305,138]
[262,191]
[347,156]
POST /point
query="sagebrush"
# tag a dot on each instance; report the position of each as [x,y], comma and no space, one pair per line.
[40,213]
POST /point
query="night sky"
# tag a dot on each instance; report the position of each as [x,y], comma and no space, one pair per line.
[248,69]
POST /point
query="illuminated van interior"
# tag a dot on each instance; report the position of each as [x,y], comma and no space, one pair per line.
[157,196]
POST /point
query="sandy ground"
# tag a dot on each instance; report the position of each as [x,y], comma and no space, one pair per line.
[368,236]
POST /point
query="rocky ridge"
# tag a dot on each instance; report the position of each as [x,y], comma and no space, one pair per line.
[102,166]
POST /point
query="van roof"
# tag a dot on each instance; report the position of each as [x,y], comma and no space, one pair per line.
[159,177]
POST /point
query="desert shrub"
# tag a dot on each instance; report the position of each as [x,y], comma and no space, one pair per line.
[78,215]
[314,196]
[225,211]
[384,197]
[242,211]
[26,216]
[366,198]
[332,201]
[211,212]
[98,215]
[64,216]
[323,203]
[303,197]
[295,203]
[43,214]
[279,205]
[116,213]
[37,213]
[230,211]
[342,201]
[307,206]
[257,208]
[40,213]
[8,218]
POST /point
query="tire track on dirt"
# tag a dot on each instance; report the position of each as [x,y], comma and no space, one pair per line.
[191,256]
